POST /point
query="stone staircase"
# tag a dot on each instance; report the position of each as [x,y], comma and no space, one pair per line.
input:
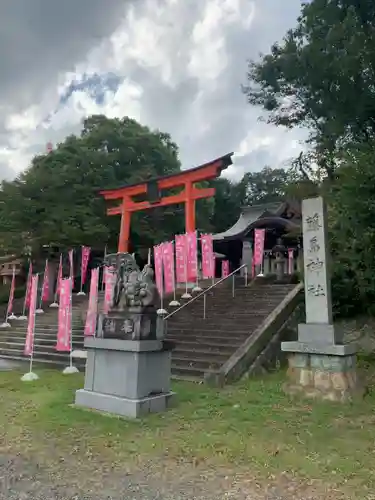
[204,347]
[12,340]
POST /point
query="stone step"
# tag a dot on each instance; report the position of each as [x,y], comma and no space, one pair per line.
[227,306]
[239,296]
[208,345]
[11,351]
[211,337]
[213,303]
[40,348]
[182,371]
[227,326]
[229,316]
[52,327]
[48,342]
[205,354]
[202,363]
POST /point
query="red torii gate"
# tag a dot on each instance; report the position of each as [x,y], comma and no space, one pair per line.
[152,189]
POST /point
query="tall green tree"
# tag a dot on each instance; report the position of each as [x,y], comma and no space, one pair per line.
[56,202]
[352,232]
[320,76]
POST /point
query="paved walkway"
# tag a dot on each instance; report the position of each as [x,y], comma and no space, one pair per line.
[22,479]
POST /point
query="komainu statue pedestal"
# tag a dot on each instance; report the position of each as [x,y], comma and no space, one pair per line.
[128,368]
[126,377]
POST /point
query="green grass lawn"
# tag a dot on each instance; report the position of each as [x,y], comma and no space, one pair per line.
[251,425]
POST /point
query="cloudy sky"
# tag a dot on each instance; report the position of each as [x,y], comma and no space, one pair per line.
[176,65]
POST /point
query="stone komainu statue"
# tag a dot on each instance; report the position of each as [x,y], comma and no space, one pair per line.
[135,299]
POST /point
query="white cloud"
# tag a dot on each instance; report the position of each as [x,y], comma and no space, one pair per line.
[181,63]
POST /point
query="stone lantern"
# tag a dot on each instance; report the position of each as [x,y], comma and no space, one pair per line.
[279,252]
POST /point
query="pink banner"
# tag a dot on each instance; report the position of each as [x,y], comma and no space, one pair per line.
[11,294]
[29,343]
[224,268]
[59,276]
[92,311]
[208,256]
[259,235]
[290,260]
[158,264]
[45,286]
[28,286]
[64,330]
[109,280]
[71,270]
[180,242]
[168,265]
[85,256]
[192,256]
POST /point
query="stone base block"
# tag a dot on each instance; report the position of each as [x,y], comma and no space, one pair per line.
[325,377]
[132,408]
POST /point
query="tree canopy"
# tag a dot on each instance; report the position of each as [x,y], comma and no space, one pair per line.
[321,76]
[55,201]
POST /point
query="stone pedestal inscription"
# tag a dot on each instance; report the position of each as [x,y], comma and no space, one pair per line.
[319,361]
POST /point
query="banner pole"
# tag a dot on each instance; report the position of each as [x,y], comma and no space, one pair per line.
[30,376]
[104,275]
[197,288]
[81,287]
[186,295]
[174,302]
[40,308]
[161,311]
[59,270]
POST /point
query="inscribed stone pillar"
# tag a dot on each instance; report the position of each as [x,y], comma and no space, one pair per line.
[320,365]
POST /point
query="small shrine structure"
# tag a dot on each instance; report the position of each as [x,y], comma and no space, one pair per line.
[281,220]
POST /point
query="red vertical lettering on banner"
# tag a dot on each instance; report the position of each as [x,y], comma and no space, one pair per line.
[224,268]
[158,263]
[192,257]
[85,256]
[208,257]
[109,280]
[259,235]
[64,318]
[168,265]
[181,260]
[28,286]
[92,311]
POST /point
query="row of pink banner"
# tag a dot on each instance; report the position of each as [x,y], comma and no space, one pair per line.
[164,261]
[45,291]
[177,261]
[64,330]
